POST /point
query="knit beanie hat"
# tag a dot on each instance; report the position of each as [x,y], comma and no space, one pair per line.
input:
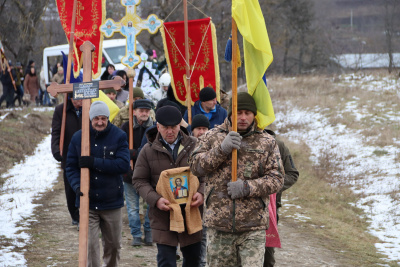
[109,91]
[200,121]
[244,102]
[98,108]
[206,94]
[137,92]
[168,116]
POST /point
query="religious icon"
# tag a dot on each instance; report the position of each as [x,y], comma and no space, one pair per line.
[130,33]
[179,187]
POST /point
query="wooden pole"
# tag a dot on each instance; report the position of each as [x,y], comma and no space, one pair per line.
[188,91]
[86,49]
[234,96]
[68,76]
[131,75]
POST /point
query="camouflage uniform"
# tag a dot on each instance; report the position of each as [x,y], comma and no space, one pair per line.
[259,163]
[222,247]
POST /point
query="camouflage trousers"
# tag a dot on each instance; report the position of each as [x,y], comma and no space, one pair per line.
[244,249]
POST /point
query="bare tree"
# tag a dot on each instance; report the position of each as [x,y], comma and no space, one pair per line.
[391,21]
[21,26]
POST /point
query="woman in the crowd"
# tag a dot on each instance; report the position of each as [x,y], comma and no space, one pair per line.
[31,85]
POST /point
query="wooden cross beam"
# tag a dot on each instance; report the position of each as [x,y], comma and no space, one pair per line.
[55,89]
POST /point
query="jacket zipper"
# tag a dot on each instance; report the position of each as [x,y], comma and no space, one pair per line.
[104,152]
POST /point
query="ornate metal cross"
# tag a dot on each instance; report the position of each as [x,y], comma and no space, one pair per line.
[130,26]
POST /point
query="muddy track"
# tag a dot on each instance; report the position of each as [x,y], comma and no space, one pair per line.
[55,240]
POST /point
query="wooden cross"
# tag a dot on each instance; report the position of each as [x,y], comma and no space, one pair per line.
[55,89]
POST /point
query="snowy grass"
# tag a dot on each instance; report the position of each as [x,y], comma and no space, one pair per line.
[351,125]
[24,183]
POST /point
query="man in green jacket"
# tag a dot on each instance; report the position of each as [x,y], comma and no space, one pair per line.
[236,213]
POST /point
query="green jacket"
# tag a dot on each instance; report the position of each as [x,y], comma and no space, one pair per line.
[259,163]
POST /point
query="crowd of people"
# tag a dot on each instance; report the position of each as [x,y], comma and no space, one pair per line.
[28,87]
[220,222]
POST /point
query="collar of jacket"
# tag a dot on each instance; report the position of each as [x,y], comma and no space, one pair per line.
[97,134]
[145,125]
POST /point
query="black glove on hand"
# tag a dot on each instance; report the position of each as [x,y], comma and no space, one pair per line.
[86,162]
[57,156]
[132,153]
[78,192]
[231,141]
[238,189]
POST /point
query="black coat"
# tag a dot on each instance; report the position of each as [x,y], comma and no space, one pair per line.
[138,133]
[73,124]
[111,159]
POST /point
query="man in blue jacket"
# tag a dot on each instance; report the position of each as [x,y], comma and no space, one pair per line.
[209,107]
[108,160]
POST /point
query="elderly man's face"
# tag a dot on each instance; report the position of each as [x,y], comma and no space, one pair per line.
[244,119]
[99,123]
[199,131]
[141,114]
[169,133]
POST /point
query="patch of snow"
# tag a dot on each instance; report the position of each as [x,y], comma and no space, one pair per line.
[23,184]
[373,175]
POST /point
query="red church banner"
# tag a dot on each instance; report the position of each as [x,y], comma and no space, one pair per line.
[90,14]
[203,57]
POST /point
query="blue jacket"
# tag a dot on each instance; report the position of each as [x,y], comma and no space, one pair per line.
[217,118]
[111,153]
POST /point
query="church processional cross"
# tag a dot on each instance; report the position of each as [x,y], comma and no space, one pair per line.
[130,26]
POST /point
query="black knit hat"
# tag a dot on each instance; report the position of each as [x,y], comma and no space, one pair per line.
[142,103]
[245,102]
[200,121]
[206,94]
[165,102]
[168,116]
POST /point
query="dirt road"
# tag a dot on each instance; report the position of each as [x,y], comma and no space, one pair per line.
[55,240]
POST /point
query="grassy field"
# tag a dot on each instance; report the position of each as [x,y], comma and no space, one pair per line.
[21,130]
[322,200]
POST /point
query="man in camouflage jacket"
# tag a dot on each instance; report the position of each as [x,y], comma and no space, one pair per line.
[236,213]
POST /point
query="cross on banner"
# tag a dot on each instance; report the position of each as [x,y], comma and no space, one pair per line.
[130,26]
[55,89]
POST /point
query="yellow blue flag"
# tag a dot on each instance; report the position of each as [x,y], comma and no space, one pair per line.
[257,55]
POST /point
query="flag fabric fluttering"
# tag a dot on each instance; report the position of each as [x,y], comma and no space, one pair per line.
[102,96]
[90,16]
[257,55]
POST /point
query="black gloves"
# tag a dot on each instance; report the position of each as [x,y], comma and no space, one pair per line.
[57,156]
[78,192]
[86,162]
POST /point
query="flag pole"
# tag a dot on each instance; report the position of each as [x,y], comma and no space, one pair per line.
[131,74]
[234,96]
[68,76]
[188,91]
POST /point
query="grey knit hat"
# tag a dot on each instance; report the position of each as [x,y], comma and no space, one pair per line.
[98,108]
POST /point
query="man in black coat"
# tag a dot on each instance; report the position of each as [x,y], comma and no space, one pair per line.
[73,124]
[8,85]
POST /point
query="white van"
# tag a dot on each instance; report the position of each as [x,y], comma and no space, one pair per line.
[113,52]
